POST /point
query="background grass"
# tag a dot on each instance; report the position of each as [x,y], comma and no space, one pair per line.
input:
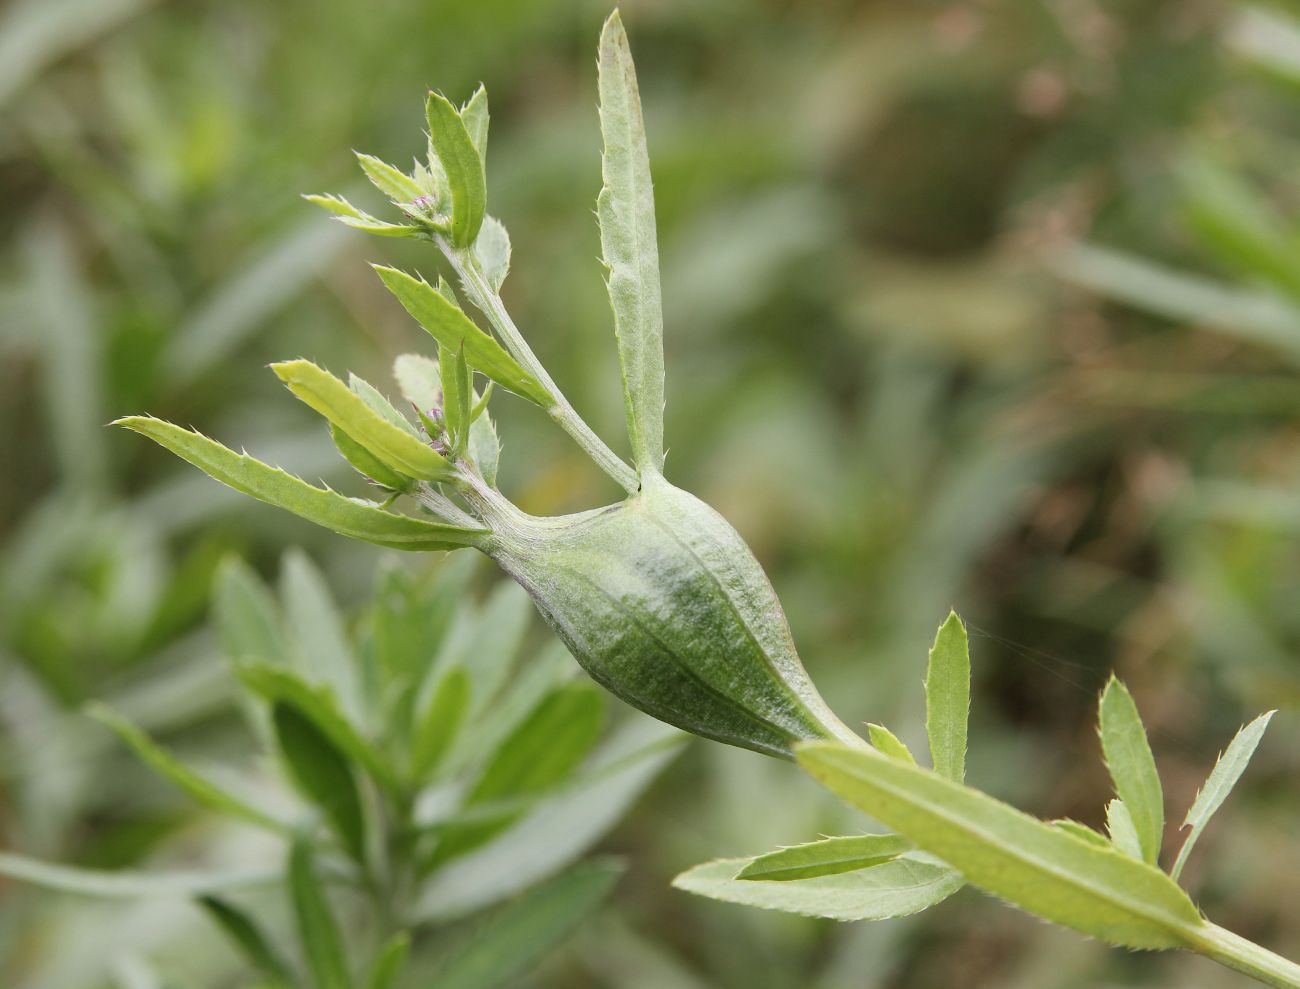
[993,305]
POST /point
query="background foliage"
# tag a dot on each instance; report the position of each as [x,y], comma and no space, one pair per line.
[993,305]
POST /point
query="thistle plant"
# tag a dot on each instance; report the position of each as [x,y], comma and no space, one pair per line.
[662,602]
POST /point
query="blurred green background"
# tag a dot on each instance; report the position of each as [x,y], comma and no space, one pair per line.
[993,305]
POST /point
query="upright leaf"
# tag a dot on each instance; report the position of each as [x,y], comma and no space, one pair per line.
[439,723]
[474,114]
[346,516]
[200,790]
[827,857]
[626,211]
[247,617]
[890,744]
[367,464]
[387,966]
[321,943]
[323,774]
[248,937]
[419,381]
[322,651]
[947,699]
[345,409]
[445,322]
[1132,766]
[492,251]
[398,187]
[1123,832]
[455,149]
[457,392]
[1231,764]
[1041,869]
[515,938]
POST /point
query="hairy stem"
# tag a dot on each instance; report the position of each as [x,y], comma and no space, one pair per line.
[488,301]
[1237,953]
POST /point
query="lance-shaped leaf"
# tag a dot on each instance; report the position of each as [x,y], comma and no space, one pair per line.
[445,322]
[1232,763]
[249,938]
[828,857]
[128,885]
[398,187]
[439,723]
[342,406]
[381,406]
[388,962]
[1081,831]
[358,219]
[367,464]
[197,788]
[890,744]
[474,114]
[1041,869]
[1132,766]
[947,699]
[897,888]
[626,211]
[346,516]
[460,160]
[492,251]
[317,930]
[457,394]
[322,773]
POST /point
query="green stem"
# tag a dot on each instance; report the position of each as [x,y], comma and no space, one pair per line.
[488,301]
[1237,953]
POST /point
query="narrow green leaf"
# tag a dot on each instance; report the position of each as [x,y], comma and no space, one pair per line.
[1132,766]
[346,516]
[440,723]
[322,773]
[484,445]
[344,408]
[1123,833]
[457,392]
[367,464]
[348,214]
[538,755]
[626,211]
[321,943]
[889,743]
[492,251]
[200,790]
[247,617]
[459,157]
[123,884]
[1223,777]
[419,381]
[318,705]
[398,187]
[1040,869]
[445,322]
[389,961]
[1081,831]
[474,114]
[947,699]
[373,397]
[248,937]
[515,938]
[828,857]
[319,643]
[898,888]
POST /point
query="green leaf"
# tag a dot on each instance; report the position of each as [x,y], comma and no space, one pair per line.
[828,857]
[440,723]
[322,773]
[1231,764]
[898,888]
[123,884]
[344,408]
[889,743]
[457,392]
[492,251]
[398,187]
[346,516]
[247,617]
[538,755]
[515,938]
[484,445]
[389,961]
[1082,831]
[419,381]
[1040,869]
[1132,767]
[318,705]
[317,930]
[200,790]
[626,211]
[947,699]
[348,214]
[445,322]
[320,646]
[371,395]
[367,464]
[1122,831]
[459,157]
[247,936]
[474,114]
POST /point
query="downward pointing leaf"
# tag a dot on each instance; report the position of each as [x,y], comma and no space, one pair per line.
[357,519]
[626,210]
[1041,869]
[1222,779]
[828,857]
[947,699]
[1132,767]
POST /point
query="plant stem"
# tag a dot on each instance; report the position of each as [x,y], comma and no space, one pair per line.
[488,301]
[1237,953]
